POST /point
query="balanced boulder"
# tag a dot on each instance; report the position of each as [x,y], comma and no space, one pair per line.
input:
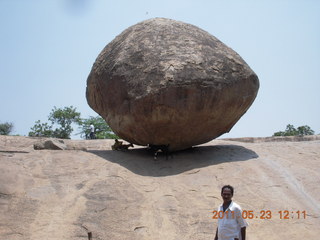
[164,82]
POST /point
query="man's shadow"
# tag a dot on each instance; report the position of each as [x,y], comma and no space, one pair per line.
[141,161]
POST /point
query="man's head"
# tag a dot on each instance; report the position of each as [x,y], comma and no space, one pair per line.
[227,193]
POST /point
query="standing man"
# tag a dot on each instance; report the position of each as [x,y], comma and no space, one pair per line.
[231,225]
[92,136]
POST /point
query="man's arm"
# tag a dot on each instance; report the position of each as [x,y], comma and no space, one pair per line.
[243,224]
[216,237]
[243,233]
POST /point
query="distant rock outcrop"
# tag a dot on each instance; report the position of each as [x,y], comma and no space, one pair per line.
[51,144]
[164,82]
[57,144]
[276,139]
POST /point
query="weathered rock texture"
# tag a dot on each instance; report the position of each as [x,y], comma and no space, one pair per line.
[122,195]
[166,82]
[51,144]
[56,144]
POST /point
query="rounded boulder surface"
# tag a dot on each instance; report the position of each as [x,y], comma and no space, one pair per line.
[165,82]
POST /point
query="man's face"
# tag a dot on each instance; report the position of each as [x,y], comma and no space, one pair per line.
[226,195]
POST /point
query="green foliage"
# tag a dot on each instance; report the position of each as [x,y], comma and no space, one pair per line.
[102,129]
[60,126]
[305,130]
[6,128]
[64,118]
[41,130]
[292,131]
[61,123]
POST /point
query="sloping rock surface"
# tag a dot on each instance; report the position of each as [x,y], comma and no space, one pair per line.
[276,139]
[126,195]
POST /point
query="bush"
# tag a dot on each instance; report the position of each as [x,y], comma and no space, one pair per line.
[6,128]
[292,131]
[62,119]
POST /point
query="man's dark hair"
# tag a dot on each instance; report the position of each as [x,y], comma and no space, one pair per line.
[227,186]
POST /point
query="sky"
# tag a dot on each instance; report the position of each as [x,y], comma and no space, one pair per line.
[48,48]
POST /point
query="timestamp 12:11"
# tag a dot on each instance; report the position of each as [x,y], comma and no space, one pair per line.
[285,214]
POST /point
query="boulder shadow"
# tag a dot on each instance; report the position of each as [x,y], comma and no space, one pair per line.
[140,161]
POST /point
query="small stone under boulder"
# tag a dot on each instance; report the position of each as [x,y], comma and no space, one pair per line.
[164,82]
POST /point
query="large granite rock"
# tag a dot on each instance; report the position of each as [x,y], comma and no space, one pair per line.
[122,195]
[164,82]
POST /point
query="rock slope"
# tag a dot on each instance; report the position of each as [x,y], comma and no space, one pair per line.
[126,195]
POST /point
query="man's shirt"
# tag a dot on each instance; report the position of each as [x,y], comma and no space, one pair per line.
[230,222]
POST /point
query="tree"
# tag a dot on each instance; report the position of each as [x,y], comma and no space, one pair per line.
[6,128]
[61,123]
[292,131]
[64,119]
[41,130]
[102,129]
[305,130]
